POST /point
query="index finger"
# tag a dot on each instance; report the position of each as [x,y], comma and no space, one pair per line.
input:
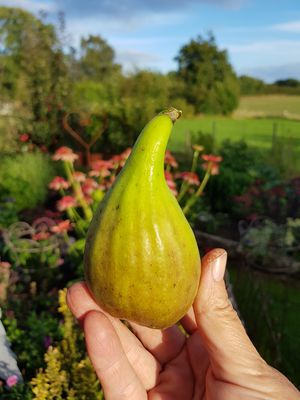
[144,363]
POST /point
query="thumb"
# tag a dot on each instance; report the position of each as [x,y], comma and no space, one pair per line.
[232,355]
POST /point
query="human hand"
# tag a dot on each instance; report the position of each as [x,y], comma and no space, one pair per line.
[215,361]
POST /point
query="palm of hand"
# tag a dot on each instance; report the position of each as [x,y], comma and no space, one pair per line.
[148,363]
[185,374]
[215,360]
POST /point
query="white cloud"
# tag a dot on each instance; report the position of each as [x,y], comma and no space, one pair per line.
[279,48]
[131,59]
[292,26]
[130,8]
[272,73]
[266,59]
[31,5]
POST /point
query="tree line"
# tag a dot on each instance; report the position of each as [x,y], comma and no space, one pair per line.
[44,79]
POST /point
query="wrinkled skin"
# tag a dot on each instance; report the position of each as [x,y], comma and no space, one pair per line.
[215,361]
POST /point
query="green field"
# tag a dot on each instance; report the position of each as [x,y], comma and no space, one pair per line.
[269,105]
[258,120]
[256,132]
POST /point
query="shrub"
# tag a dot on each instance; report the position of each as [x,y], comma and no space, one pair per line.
[68,373]
[207,140]
[24,178]
[239,170]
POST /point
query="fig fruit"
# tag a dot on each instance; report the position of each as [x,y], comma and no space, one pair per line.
[141,258]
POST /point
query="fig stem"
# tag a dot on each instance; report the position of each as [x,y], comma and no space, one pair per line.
[173,113]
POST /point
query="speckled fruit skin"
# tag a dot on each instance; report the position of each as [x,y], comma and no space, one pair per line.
[141,258]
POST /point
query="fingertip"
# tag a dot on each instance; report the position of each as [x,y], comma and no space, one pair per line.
[213,255]
[94,319]
[79,300]
[75,290]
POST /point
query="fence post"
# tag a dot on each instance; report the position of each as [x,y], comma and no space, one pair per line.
[213,131]
[188,141]
[274,136]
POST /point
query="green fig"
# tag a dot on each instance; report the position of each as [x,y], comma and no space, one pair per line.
[141,258]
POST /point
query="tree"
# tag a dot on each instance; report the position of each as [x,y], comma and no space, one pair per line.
[211,84]
[97,58]
[32,52]
[290,82]
[250,85]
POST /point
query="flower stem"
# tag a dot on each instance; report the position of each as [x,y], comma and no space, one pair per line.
[184,186]
[78,192]
[199,191]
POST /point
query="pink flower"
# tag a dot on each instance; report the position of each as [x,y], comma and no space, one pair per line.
[170,160]
[120,159]
[40,235]
[102,164]
[5,264]
[59,183]
[51,214]
[211,158]
[198,147]
[88,199]
[24,137]
[126,153]
[12,380]
[79,176]
[63,226]
[43,149]
[214,168]
[103,173]
[65,154]
[59,262]
[245,198]
[189,177]
[65,202]
[101,168]
[89,186]
[170,182]
[212,162]
[109,182]
[10,314]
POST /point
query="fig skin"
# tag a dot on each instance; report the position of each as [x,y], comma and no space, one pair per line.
[141,258]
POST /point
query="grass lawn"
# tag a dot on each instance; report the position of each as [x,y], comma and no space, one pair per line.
[256,132]
[269,105]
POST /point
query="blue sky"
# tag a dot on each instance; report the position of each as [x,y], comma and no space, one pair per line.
[262,36]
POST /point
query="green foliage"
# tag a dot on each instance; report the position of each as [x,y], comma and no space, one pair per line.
[210,82]
[97,59]
[29,336]
[24,178]
[22,391]
[33,55]
[8,211]
[207,140]
[136,113]
[270,305]
[290,82]
[284,156]
[251,85]
[237,172]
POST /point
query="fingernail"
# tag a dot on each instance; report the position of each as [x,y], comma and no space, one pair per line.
[218,266]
